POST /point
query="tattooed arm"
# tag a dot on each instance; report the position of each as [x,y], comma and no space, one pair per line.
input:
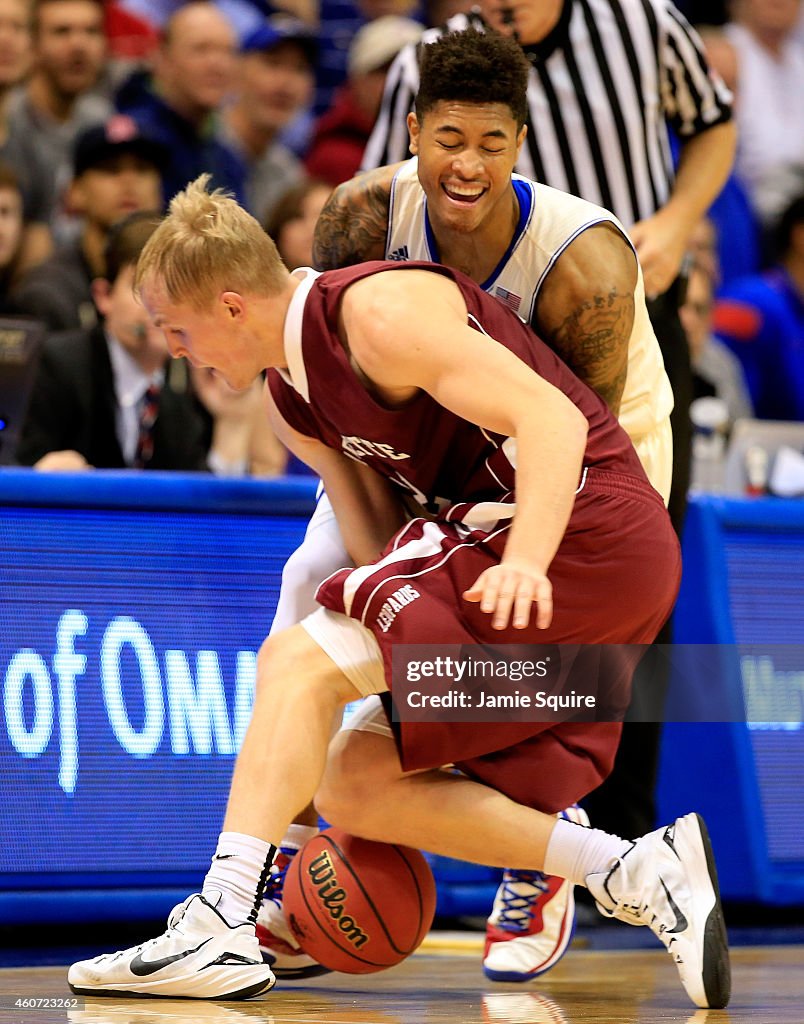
[353,224]
[585,310]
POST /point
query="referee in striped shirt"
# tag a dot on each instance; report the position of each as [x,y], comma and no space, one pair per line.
[608,78]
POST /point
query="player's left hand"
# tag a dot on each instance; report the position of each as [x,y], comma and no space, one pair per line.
[661,244]
[512,587]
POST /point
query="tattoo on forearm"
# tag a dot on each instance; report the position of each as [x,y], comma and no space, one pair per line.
[352,226]
[593,341]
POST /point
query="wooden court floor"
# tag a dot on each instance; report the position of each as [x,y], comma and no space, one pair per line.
[587,987]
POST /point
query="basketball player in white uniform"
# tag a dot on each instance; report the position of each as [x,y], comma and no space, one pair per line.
[567,268]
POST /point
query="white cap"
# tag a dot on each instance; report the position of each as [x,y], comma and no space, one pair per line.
[378,42]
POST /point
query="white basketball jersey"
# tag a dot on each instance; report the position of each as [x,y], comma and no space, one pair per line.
[549,221]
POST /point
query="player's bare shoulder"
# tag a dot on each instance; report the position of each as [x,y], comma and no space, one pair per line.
[586,309]
[403,300]
[398,317]
[353,225]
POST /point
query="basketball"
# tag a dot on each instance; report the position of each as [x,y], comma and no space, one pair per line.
[358,906]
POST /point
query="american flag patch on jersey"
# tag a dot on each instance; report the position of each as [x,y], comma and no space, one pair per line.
[511,300]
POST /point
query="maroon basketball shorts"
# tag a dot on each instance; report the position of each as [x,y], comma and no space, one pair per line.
[615,578]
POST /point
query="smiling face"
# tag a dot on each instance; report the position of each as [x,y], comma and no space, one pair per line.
[195,66]
[467,152]
[217,337]
[276,84]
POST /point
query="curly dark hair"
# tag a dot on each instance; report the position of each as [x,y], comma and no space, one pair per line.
[474,67]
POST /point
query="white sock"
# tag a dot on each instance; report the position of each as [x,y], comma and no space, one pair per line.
[239,872]
[573,851]
[297,835]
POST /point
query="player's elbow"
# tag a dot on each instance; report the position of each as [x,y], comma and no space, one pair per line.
[554,414]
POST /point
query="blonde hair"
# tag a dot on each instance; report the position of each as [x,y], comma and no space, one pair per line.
[208,244]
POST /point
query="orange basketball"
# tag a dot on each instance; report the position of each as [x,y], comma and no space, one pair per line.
[357,906]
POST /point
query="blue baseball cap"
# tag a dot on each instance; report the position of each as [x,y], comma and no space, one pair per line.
[282,28]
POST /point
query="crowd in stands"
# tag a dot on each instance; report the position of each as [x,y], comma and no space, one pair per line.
[108,108]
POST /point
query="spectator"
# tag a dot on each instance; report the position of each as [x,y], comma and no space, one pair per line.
[238,433]
[275,84]
[92,403]
[717,371]
[116,171]
[15,43]
[11,231]
[340,135]
[339,21]
[193,72]
[16,148]
[244,15]
[770,152]
[110,397]
[60,99]
[292,225]
[761,319]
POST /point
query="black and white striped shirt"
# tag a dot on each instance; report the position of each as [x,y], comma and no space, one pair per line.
[604,85]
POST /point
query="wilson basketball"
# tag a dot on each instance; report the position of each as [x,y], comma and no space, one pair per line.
[357,906]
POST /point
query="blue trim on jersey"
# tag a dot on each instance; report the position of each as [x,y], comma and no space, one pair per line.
[429,237]
[524,196]
[391,205]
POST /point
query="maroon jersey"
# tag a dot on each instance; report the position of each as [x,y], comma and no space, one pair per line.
[614,576]
[422,447]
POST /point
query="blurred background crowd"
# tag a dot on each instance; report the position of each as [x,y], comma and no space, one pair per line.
[108,108]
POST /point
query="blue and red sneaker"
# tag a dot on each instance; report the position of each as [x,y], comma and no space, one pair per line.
[532,920]
[278,946]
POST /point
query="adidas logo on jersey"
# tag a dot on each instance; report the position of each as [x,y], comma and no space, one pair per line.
[400,255]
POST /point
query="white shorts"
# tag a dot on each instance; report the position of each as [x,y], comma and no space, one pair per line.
[351,646]
[368,716]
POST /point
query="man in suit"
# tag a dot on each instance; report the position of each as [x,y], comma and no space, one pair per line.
[109,396]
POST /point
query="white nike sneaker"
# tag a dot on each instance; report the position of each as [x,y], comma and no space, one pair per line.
[199,956]
[668,881]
